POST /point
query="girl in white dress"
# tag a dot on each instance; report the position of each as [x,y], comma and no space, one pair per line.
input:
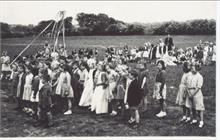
[181,96]
[28,89]
[86,97]
[99,102]
[194,98]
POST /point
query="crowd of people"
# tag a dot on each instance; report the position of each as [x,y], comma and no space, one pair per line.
[52,82]
[203,52]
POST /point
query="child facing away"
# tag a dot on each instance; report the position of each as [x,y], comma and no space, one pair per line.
[45,103]
[160,88]
[181,96]
[194,99]
[134,96]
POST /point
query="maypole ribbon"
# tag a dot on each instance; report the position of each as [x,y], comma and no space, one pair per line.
[30,43]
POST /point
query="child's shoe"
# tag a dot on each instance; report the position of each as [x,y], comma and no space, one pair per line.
[114,113]
[188,119]
[193,121]
[183,119]
[201,124]
[25,109]
[68,112]
[131,121]
[161,114]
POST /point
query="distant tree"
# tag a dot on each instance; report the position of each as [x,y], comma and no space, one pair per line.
[135,29]
[42,25]
[22,30]
[5,30]
[191,27]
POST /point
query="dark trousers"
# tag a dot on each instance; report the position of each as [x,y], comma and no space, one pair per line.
[44,116]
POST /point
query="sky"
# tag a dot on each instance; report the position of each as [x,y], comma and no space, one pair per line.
[32,12]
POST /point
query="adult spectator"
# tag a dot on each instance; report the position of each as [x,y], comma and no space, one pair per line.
[169,42]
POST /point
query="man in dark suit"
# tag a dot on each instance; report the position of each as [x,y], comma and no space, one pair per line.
[169,42]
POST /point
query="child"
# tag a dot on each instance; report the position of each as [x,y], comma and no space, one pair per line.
[82,73]
[181,96]
[14,81]
[99,102]
[194,98]
[36,86]
[134,98]
[64,88]
[143,78]
[45,102]
[86,97]
[20,87]
[27,89]
[112,78]
[160,88]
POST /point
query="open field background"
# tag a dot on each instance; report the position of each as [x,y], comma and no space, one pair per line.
[16,45]
[83,123]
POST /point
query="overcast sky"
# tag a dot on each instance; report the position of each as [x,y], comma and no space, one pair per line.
[131,11]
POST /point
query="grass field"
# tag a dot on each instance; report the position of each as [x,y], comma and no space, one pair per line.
[16,45]
[83,123]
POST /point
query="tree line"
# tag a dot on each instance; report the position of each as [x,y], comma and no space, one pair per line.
[102,24]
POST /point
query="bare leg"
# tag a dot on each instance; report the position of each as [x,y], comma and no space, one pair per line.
[137,116]
[162,105]
[69,104]
[201,115]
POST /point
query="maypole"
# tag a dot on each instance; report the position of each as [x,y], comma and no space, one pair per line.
[54,33]
[60,28]
[31,43]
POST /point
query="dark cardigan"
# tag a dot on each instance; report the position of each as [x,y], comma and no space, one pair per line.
[134,94]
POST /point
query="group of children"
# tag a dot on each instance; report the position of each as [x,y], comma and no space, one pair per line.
[190,96]
[49,84]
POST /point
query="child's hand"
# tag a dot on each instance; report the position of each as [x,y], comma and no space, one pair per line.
[66,93]
[190,95]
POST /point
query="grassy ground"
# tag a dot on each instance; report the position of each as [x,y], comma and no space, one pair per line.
[83,123]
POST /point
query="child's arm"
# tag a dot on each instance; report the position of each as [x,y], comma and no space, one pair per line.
[143,82]
[55,83]
[195,92]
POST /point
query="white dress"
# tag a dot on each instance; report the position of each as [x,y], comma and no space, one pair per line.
[99,99]
[195,81]
[158,55]
[60,84]
[37,95]
[86,97]
[28,87]
[181,95]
